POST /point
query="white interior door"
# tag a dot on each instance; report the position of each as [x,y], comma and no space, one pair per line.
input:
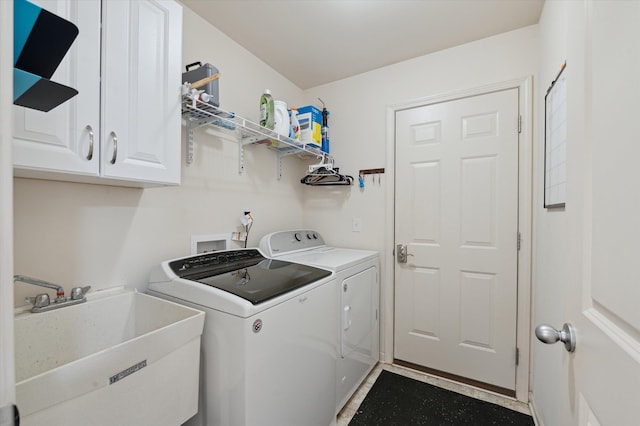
[456,210]
[602,295]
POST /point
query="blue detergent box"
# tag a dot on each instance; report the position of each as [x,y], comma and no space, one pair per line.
[310,120]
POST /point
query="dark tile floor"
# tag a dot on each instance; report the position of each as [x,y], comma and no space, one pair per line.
[399,400]
[350,409]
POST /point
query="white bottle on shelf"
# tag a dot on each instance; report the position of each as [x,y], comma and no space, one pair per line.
[281,118]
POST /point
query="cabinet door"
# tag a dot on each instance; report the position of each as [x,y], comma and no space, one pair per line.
[141,73]
[60,140]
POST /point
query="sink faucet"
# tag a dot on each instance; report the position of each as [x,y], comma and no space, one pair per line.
[42,302]
[24,279]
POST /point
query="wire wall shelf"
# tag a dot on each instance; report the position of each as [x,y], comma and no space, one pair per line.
[198,114]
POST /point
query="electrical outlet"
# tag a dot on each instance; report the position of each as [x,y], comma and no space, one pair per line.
[356,224]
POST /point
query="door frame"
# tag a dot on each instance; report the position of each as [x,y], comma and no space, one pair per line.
[525,224]
[7,369]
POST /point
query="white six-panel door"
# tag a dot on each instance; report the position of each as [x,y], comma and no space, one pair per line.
[456,209]
[602,297]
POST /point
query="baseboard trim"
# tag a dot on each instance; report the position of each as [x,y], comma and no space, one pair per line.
[534,412]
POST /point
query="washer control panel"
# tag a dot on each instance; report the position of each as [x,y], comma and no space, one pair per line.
[290,241]
[219,261]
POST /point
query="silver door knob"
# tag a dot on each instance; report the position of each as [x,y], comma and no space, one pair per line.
[549,335]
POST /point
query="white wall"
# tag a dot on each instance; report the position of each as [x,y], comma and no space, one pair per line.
[358,127]
[358,130]
[558,231]
[79,234]
[549,234]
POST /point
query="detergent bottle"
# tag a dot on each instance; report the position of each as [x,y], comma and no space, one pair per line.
[267,110]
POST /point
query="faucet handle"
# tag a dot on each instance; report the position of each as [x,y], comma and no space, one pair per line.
[42,300]
[39,301]
[79,292]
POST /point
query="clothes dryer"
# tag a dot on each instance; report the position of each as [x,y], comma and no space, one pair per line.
[357,274]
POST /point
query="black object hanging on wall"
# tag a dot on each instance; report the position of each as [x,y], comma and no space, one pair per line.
[41,39]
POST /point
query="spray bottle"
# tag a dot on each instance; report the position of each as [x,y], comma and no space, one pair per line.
[325,128]
[294,128]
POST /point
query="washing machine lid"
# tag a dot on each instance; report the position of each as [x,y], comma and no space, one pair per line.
[333,258]
[247,274]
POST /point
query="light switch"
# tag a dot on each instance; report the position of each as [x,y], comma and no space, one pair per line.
[356,224]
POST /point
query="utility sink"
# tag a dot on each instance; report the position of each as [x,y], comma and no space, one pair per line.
[121,358]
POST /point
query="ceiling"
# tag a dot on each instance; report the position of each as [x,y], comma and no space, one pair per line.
[312,42]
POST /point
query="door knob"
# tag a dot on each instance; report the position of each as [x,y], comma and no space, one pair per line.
[549,335]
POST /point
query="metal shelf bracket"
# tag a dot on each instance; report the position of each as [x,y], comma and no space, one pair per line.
[189,141]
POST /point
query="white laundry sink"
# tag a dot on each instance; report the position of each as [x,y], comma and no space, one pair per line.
[121,358]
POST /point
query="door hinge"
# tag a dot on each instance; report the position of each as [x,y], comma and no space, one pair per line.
[517,356]
[519,124]
[519,240]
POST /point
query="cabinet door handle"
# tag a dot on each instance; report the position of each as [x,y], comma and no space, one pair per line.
[115,147]
[90,130]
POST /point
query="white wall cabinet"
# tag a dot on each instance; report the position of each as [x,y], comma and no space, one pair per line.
[59,140]
[123,128]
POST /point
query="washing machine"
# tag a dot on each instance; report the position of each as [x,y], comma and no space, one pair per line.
[269,347]
[357,275]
